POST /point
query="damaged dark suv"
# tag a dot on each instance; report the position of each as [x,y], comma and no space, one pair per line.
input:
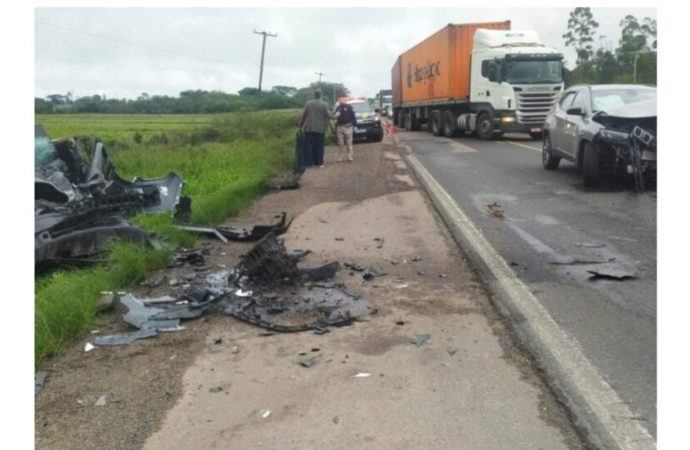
[604,130]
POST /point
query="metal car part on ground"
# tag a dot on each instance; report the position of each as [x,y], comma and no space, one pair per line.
[266,289]
[81,203]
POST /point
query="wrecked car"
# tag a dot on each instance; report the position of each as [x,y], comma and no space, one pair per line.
[80,202]
[604,130]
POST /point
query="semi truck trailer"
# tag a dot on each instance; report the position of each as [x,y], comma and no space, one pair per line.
[482,78]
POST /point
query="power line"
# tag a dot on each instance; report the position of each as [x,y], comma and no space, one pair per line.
[120,41]
[115,64]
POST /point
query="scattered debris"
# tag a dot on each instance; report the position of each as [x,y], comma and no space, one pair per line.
[158,300]
[573,261]
[255,233]
[420,339]
[235,350]
[336,420]
[81,203]
[416,258]
[102,401]
[107,300]
[154,281]
[88,347]
[379,242]
[400,323]
[264,413]
[302,309]
[590,245]
[363,375]
[339,239]
[452,350]
[308,362]
[39,382]
[268,262]
[218,341]
[402,286]
[216,390]
[611,273]
[496,211]
[124,338]
[191,257]
[355,267]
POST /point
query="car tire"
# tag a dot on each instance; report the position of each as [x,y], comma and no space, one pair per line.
[549,161]
[591,166]
[435,123]
[485,127]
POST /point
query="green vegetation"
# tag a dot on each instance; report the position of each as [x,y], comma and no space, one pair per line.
[634,61]
[225,161]
[191,102]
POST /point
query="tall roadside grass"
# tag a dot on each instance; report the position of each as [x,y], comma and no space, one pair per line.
[224,160]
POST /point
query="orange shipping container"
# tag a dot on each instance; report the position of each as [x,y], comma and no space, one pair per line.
[438,68]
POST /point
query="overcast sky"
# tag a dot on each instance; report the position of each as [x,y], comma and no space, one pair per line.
[123,52]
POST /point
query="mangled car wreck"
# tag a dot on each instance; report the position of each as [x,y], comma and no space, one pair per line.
[80,204]
[627,143]
[604,130]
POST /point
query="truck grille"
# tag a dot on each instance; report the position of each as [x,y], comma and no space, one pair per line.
[532,107]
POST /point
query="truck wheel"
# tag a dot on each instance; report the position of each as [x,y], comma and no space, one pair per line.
[401,119]
[591,167]
[435,123]
[408,121]
[448,123]
[549,161]
[485,127]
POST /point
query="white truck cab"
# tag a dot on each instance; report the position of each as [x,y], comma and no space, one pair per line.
[516,78]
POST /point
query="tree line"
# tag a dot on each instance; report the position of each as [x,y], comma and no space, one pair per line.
[190,101]
[633,61]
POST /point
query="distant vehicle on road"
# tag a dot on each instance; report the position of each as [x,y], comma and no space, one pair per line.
[385,102]
[604,130]
[368,121]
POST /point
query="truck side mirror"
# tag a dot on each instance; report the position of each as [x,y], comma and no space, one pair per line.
[575,112]
[493,72]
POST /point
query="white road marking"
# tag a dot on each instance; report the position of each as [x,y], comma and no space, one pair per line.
[523,145]
[590,397]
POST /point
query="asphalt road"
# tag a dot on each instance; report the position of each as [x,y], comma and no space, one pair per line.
[552,232]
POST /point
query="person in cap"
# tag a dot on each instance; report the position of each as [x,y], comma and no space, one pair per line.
[345,123]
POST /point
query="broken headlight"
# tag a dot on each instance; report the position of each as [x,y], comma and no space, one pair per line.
[615,136]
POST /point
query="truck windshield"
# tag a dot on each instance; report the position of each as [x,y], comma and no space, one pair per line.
[387,99]
[533,72]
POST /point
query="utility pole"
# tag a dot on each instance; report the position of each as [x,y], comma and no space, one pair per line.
[320,74]
[263,50]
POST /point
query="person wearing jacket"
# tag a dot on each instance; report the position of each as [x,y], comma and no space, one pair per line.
[315,121]
[345,123]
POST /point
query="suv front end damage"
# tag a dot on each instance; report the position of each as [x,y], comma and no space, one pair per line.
[627,143]
[81,204]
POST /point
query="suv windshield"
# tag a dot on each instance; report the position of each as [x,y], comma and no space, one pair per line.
[606,99]
[533,72]
[361,107]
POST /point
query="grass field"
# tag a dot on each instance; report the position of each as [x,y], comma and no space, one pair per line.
[225,161]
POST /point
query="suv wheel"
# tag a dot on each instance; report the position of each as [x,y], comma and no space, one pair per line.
[549,161]
[591,167]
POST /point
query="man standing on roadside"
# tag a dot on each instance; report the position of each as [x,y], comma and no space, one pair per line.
[345,123]
[315,120]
